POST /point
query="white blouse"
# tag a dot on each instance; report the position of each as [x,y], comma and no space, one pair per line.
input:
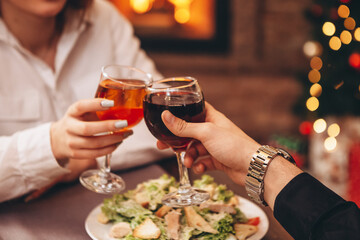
[32,96]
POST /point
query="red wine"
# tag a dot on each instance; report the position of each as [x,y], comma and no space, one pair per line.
[185,105]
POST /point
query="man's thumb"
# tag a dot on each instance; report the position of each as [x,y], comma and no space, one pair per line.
[176,125]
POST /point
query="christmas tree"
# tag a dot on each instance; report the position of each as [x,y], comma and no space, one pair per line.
[332,85]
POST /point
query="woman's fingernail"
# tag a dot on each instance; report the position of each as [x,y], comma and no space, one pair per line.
[107,103]
[121,124]
[168,117]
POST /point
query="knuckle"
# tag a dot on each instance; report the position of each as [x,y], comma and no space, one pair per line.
[181,126]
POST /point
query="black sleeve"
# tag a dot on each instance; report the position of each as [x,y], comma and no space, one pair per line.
[309,210]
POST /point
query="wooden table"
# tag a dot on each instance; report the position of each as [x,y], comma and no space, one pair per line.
[61,213]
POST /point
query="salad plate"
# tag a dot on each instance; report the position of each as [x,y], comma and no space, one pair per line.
[99,231]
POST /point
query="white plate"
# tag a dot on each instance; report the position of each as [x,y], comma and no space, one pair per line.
[99,231]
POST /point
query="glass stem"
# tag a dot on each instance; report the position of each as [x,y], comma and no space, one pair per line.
[183,173]
[105,167]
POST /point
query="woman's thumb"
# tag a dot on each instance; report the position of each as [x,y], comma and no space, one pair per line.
[176,125]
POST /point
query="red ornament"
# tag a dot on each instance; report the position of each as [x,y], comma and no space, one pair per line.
[354,61]
[305,128]
[345,1]
[354,176]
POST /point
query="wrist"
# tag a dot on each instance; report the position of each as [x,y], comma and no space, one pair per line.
[279,173]
[258,170]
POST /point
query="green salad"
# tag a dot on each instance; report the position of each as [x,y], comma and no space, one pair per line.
[139,214]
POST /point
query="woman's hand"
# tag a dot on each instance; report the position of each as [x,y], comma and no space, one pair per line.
[80,135]
[221,144]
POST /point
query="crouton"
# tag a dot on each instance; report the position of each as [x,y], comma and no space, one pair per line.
[195,220]
[120,230]
[234,201]
[147,230]
[242,231]
[102,218]
[162,211]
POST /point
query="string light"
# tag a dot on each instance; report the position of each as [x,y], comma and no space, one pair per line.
[330,143]
[312,104]
[315,90]
[343,11]
[357,34]
[319,125]
[314,76]
[349,23]
[312,49]
[345,37]
[335,43]
[316,63]
[328,28]
[333,130]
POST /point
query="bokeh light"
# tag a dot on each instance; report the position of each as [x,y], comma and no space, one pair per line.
[319,125]
[328,28]
[312,49]
[335,43]
[349,23]
[343,11]
[330,143]
[182,15]
[357,34]
[333,130]
[312,104]
[141,6]
[315,90]
[316,63]
[305,128]
[314,76]
[354,60]
[345,37]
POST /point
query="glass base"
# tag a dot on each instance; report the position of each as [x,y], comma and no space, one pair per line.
[100,182]
[185,197]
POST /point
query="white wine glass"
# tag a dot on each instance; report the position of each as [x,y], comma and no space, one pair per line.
[126,86]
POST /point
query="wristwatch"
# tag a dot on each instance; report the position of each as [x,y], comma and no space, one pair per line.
[254,181]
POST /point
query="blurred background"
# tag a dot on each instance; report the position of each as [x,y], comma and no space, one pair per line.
[286,72]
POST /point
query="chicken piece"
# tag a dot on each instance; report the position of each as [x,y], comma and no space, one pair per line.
[162,211]
[242,231]
[147,230]
[172,220]
[195,220]
[218,207]
[120,230]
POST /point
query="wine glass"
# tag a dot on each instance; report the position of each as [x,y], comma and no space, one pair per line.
[183,97]
[126,86]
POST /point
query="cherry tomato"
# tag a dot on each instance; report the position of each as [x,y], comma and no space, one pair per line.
[254,221]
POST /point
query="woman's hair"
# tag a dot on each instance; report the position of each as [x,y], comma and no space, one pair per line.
[80,5]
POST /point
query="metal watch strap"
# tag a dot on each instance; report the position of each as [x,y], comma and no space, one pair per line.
[254,181]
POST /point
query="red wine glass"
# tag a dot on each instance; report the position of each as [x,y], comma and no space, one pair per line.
[183,97]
